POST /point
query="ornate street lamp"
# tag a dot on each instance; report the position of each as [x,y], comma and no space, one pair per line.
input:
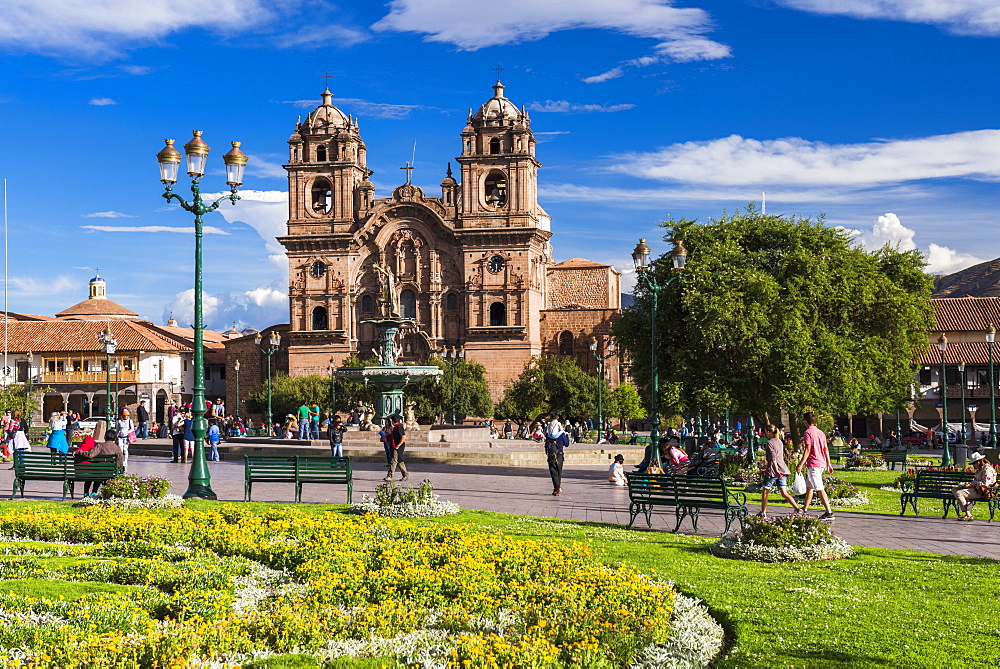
[610,348]
[332,368]
[991,334]
[961,376]
[942,344]
[236,367]
[451,357]
[27,396]
[275,343]
[199,480]
[108,341]
[646,279]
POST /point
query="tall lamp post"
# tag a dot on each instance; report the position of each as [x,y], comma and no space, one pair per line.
[236,368]
[27,395]
[110,344]
[452,356]
[991,334]
[610,348]
[961,377]
[332,368]
[942,344]
[199,480]
[274,342]
[647,280]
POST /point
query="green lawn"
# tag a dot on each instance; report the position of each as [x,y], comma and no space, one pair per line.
[881,608]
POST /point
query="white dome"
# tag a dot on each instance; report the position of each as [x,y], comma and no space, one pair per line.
[498,107]
[326,115]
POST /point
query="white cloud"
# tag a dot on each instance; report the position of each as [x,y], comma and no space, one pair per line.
[208,229]
[315,36]
[260,307]
[888,229]
[264,169]
[99,30]
[107,214]
[943,260]
[31,287]
[613,73]
[657,198]
[796,162]
[475,24]
[564,106]
[266,211]
[367,108]
[102,102]
[966,17]
[135,70]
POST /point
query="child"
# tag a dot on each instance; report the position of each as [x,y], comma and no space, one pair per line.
[775,470]
[616,475]
[213,440]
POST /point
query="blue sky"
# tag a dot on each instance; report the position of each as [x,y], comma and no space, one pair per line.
[882,115]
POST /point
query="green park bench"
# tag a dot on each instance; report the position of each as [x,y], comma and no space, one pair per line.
[297,469]
[30,466]
[933,485]
[894,458]
[837,452]
[689,494]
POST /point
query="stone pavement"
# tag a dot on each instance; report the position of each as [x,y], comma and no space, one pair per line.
[586,496]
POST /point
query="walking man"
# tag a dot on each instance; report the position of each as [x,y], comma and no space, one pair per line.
[397,444]
[303,415]
[142,418]
[816,460]
[556,440]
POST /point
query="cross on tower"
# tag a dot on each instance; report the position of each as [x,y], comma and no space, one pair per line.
[327,77]
[498,70]
[409,170]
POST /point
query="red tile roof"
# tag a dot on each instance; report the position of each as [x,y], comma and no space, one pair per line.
[577,263]
[966,314]
[971,353]
[82,336]
[96,306]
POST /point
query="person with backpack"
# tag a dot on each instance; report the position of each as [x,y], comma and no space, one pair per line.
[556,440]
[335,430]
[396,443]
[213,436]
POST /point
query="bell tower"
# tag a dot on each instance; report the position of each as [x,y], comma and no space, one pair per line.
[499,169]
[327,175]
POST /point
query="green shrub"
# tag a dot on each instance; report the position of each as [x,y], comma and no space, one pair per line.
[786,531]
[129,486]
[838,488]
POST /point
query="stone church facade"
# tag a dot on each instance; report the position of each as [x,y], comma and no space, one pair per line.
[473,265]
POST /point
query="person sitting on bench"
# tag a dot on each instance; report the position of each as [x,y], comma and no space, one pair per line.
[982,484]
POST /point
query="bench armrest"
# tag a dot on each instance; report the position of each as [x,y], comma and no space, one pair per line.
[906,486]
[740,497]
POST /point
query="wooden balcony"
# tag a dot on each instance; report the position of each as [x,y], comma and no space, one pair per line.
[89,377]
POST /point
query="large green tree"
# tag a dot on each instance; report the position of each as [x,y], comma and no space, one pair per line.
[433,395]
[626,403]
[289,392]
[780,312]
[551,383]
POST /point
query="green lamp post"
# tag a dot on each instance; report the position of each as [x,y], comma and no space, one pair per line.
[942,344]
[332,368]
[199,480]
[28,419]
[610,348]
[236,368]
[961,378]
[991,334]
[110,344]
[274,342]
[647,280]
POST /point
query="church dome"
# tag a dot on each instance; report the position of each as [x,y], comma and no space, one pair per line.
[498,107]
[327,116]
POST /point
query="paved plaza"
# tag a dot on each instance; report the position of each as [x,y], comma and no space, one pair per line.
[586,496]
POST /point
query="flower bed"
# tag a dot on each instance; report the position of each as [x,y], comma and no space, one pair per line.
[840,493]
[130,486]
[864,463]
[393,501]
[165,502]
[791,538]
[231,585]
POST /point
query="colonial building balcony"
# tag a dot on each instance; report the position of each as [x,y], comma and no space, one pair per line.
[124,376]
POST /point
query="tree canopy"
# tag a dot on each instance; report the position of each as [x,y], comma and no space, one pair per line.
[551,383]
[780,312]
[433,395]
[626,403]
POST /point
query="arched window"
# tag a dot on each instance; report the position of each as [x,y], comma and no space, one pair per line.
[408,303]
[495,145]
[320,319]
[498,314]
[321,154]
[367,304]
[495,188]
[322,196]
[565,343]
[451,302]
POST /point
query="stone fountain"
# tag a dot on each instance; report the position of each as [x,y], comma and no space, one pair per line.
[388,378]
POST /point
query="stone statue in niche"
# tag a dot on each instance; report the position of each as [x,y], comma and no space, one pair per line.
[411,417]
[389,300]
